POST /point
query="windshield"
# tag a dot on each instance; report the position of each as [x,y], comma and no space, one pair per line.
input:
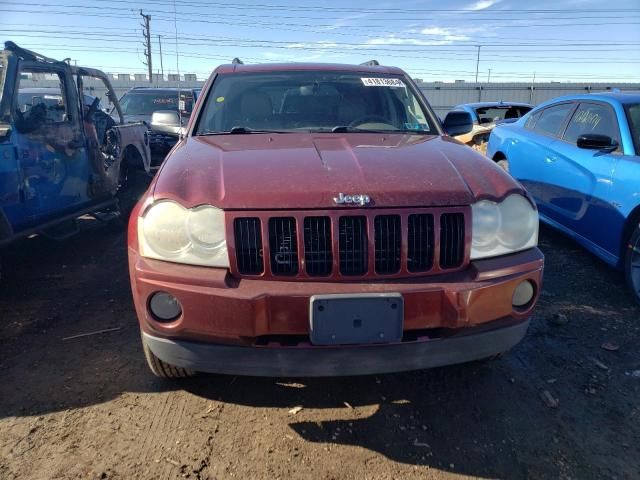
[495,114]
[148,102]
[633,112]
[312,101]
[29,99]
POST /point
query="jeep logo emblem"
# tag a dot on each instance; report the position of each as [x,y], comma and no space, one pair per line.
[353,199]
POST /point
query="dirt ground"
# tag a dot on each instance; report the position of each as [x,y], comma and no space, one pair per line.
[558,406]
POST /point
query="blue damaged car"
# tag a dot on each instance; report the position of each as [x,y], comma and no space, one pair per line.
[579,157]
[61,156]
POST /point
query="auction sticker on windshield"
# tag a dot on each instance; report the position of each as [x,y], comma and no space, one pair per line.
[382,82]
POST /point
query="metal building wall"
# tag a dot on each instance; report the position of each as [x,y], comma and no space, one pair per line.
[444,96]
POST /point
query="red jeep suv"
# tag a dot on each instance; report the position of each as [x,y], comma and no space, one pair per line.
[317,220]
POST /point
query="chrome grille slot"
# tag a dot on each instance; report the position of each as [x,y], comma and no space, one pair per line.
[420,243]
[452,240]
[248,240]
[388,240]
[352,233]
[318,257]
[283,246]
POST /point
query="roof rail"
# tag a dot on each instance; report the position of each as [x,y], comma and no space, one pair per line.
[237,61]
[371,63]
[28,54]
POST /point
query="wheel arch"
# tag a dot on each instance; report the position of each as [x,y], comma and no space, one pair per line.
[633,219]
[132,157]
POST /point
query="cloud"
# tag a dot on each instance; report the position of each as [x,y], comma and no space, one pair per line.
[482,4]
[308,56]
[346,21]
[392,39]
[446,34]
[322,44]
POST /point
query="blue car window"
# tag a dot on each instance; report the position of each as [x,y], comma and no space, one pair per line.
[531,121]
[552,119]
[633,114]
[592,118]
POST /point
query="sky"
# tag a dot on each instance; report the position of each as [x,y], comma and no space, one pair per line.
[523,41]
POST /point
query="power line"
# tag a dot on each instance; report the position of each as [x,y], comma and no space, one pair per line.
[341,9]
[451,47]
[297,24]
[574,15]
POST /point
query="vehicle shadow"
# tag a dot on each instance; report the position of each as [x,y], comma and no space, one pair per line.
[466,419]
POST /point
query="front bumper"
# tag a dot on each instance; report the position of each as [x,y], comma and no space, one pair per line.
[473,344]
[240,326]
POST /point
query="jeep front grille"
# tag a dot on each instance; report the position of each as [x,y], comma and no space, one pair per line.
[357,243]
[352,232]
[283,245]
[318,252]
[387,242]
[451,240]
[248,245]
[421,245]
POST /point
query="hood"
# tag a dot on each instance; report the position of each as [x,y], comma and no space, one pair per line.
[303,171]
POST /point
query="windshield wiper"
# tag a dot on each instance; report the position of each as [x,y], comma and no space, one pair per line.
[241,131]
[350,129]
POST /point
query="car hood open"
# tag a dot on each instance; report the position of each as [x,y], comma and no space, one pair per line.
[307,171]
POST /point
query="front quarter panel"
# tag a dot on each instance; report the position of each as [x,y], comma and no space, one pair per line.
[135,134]
[625,188]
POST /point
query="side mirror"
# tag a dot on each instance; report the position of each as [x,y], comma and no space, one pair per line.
[458,123]
[595,141]
[167,122]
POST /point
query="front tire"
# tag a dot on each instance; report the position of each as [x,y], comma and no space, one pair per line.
[163,369]
[632,263]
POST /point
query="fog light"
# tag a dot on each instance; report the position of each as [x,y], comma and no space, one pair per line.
[164,306]
[523,294]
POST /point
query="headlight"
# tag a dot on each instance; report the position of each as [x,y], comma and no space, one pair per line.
[505,227]
[196,236]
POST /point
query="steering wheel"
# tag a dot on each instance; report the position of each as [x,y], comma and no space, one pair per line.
[369,119]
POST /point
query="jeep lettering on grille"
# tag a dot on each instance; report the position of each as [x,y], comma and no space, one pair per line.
[353,199]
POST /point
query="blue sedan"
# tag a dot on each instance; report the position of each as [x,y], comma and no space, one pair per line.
[579,157]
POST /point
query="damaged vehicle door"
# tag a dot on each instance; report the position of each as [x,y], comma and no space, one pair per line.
[120,150]
[61,157]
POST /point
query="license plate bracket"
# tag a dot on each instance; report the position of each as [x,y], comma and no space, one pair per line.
[344,319]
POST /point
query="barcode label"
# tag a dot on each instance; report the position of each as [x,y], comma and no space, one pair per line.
[382,82]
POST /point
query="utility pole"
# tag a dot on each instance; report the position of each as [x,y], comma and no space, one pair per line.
[533,81]
[147,45]
[477,63]
[489,77]
[161,67]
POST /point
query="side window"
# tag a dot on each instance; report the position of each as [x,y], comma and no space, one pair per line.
[592,118]
[552,118]
[531,121]
[42,105]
